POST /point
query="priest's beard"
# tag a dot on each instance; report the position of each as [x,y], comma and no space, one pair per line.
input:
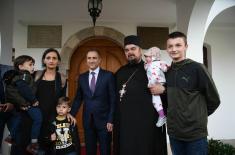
[133,62]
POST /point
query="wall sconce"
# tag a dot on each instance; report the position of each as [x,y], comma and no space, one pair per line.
[94,7]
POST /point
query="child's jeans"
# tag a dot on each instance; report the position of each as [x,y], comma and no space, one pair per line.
[36,116]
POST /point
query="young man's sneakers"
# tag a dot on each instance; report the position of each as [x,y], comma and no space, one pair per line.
[161,121]
[33,148]
[9,140]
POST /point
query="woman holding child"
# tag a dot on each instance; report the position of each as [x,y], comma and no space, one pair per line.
[50,86]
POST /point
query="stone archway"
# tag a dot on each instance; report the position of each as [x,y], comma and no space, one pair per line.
[72,43]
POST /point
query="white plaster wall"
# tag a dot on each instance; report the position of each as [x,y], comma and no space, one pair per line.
[6,30]
[222,122]
[196,28]
[203,13]
[20,45]
[183,11]
[217,7]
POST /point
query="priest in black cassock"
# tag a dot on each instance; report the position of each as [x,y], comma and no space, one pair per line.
[135,132]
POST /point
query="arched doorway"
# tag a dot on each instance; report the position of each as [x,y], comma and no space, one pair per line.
[75,40]
[112,56]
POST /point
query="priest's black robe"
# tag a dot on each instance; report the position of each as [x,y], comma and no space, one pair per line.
[135,132]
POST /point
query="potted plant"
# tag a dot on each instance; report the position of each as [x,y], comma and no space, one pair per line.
[216,147]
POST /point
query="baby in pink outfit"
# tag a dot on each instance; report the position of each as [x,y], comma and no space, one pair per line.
[155,69]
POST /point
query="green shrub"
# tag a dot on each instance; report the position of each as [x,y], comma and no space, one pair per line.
[216,147]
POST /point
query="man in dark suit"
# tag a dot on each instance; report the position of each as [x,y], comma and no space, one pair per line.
[96,88]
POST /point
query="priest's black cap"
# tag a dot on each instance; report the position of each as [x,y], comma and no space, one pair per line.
[132,39]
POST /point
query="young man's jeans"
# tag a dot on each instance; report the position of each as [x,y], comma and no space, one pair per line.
[36,116]
[11,119]
[196,147]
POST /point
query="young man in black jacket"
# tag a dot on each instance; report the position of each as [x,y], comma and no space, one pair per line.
[19,90]
[192,97]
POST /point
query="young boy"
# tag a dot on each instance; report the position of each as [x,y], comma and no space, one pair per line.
[155,69]
[20,91]
[64,134]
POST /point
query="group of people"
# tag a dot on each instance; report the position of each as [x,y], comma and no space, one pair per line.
[29,104]
[133,104]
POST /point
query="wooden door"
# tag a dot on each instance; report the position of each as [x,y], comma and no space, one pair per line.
[112,56]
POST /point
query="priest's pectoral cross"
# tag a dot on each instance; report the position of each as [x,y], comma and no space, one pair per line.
[122,91]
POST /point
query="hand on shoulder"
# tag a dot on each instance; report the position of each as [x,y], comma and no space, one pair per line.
[71,119]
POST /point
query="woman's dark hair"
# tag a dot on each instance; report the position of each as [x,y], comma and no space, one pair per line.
[49,50]
[20,60]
